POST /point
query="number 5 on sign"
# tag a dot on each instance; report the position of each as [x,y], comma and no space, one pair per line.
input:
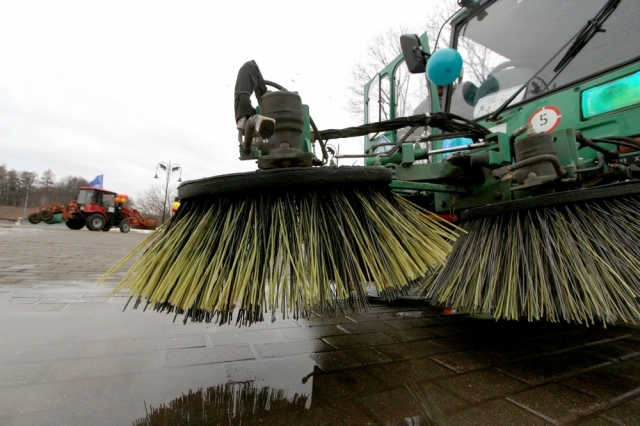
[545,119]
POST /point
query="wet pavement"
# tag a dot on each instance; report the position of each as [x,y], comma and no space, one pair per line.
[70,356]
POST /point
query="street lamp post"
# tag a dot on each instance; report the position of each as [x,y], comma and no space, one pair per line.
[168,168]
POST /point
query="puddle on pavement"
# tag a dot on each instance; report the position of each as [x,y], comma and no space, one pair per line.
[230,403]
[237,403]
[410,383]
[296,391]
[240,403]
[254,391]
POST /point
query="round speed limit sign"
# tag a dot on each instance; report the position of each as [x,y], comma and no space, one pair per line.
[545,119]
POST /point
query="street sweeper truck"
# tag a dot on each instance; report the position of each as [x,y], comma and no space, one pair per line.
[500,178]
[545,180]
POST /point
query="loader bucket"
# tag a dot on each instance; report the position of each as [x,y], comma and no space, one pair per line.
[144,223]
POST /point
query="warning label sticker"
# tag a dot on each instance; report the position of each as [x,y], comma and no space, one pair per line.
[545,119]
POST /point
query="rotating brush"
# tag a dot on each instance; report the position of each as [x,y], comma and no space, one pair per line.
[562,257]
[287,238]
[297,240]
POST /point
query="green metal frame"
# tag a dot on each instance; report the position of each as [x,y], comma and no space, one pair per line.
[435,178]
[389,72]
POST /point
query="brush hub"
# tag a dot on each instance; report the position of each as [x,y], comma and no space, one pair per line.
[285,179]
[530,147]
[286,108]
[616,190]
[283,148]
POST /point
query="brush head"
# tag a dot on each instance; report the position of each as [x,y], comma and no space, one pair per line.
[294,240]
[569,256]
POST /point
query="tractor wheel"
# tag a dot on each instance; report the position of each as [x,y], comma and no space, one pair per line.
[96,222]
[45,215]
[107,227]
[74,224]
[34,218]
[125,226]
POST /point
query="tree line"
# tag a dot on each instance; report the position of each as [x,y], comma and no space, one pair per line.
[20,188]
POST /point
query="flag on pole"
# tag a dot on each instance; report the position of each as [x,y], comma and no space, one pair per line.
[97,182]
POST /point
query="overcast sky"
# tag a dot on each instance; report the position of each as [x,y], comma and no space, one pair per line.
[112,88]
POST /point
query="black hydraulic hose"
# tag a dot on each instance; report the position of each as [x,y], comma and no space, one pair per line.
[625,139]
[616,142]
[323,145]
[550,158]
[445,121]
[479,128]
[379,127]
[584,141]
[379,145]
[449,136]
[274,85]
[621,141]
[398,144]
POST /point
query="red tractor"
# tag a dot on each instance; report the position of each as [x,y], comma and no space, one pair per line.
[96,208]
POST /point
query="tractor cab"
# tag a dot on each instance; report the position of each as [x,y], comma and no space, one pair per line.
[100,208]
[87,196]
[90,199]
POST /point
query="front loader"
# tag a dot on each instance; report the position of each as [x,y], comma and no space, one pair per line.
[97,209]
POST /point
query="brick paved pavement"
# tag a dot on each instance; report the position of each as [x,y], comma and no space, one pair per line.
[70,356]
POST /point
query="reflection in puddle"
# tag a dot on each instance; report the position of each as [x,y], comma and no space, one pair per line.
[471,370]
[230,403]
[345,397]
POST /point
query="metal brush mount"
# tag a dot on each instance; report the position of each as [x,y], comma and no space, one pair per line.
[277,133]
[284,147]
[537,162]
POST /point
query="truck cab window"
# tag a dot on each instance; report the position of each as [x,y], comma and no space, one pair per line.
[508,46]
[411,98]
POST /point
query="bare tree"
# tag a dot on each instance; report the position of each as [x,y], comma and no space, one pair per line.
[67,188]
[152,201]
[27,184]
[12,188]
[478,61]
[381,50]
[45,184]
